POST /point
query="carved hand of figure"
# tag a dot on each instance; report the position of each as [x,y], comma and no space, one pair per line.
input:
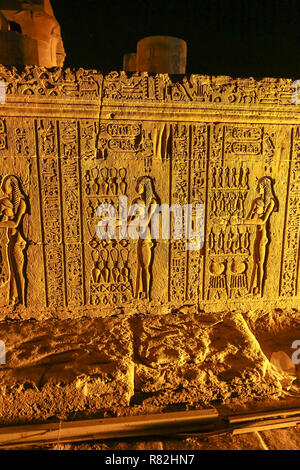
[16,219]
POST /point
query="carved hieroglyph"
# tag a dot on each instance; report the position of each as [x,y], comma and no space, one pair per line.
[72,140]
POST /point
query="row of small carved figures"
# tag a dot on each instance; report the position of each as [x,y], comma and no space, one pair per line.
[230,178]
[229,242]
[106,181]
[223,203]
[110,265]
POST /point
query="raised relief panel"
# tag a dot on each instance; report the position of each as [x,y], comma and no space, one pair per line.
[89,84]
[39,82]
[3,137]
[50,210]
[70,172]
[147,201]
[119,86]
[47,138]
[241,202]
[109,273]
[290,262]
[228,239]
[197,88]
[256,142]
[225,90]
[140,141]
[111,282]
[179,196]
[120,138]
[131,158]
[262,208]
[89,131]
[199,144]
[18,139]
[21,142]
[153,139]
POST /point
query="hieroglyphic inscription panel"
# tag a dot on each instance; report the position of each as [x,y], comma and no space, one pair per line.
[291,242]
[152,140]
[51,215]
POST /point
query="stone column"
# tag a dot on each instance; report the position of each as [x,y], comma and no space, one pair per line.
[161,54]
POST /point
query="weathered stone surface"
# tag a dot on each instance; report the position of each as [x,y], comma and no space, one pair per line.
[61,368]
[186,359]
[136,365]
[226,144]
[71,140]
[282,439]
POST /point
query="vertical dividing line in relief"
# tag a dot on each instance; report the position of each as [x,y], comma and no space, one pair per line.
[298,252]
[41,210]
[60,187]
[297,268]
[101,96]
[199,252]
[204,198]
[100,109]
[189,202]
[171,223]
[81,212]
[286,209]
[206,202]
[223,144]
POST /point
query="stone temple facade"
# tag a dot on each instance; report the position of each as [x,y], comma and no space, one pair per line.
[130,325]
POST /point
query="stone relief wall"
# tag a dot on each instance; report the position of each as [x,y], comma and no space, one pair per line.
[71,140]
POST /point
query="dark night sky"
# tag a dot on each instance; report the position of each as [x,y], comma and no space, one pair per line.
[225,37]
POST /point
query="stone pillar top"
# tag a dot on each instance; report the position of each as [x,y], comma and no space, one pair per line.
[162,54]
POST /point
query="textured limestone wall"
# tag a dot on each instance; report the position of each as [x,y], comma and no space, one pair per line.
[105,340]
[75,368]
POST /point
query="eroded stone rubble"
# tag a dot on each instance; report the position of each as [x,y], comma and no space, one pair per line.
[135,365]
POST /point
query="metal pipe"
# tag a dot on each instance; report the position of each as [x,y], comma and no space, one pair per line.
[108,428]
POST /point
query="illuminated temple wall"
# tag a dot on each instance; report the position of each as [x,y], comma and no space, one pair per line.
[70,140]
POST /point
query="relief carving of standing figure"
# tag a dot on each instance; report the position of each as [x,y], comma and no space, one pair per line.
[260,212]
[147,202]
[13,207]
